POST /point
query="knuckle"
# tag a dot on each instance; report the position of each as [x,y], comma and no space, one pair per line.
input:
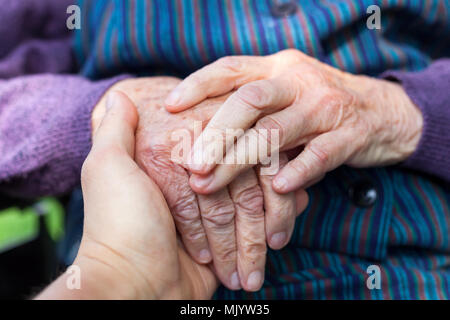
[299,166]
[231,63]
[279,214]
[254,249]
[330,96]
[195,79]
[184,207]
[281,211]
[269,125]
[292,55]
[321,155]
[334,104]
[218,213]
[194,235]
[335,99]
[360,134]
[344,97]
[250,200]
[226,252]
[256,94]
[156,160]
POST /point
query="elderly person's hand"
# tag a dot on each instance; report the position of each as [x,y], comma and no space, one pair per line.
[129,248]
[228,226]
[338,117]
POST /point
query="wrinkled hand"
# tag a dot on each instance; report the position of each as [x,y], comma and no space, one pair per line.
[338,117]
[228,226]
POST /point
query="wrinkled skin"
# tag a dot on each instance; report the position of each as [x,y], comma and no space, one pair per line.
[230,223]
[338,117]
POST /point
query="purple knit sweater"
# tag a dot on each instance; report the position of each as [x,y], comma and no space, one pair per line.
[45,116]
[45,125]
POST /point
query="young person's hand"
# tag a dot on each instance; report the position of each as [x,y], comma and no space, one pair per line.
[229,227]
[129,248]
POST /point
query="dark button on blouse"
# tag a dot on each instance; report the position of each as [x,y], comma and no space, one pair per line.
[283,9]
[363,193]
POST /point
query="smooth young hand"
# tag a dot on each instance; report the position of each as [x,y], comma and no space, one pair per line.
[129,248]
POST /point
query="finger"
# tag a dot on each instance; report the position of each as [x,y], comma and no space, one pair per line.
[119,124]
[239,112]
[113,146]
[217,78]
[322,154]
[208,283]
[173,180]
[259,144]
[217,211]
[251,241]
[280,209]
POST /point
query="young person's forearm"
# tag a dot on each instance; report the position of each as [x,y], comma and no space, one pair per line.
[89,279]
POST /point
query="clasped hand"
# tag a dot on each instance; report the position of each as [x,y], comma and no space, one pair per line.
[226,213]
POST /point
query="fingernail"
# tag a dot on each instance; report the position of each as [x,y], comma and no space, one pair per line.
[202,181]
[173,98]
[280,183]
[234,281]
[254,280]
[278,239]
[205,256]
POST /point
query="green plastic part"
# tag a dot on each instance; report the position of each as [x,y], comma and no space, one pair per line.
[20,226]
[17,227]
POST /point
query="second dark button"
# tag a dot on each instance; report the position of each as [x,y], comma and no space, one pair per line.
[363,193]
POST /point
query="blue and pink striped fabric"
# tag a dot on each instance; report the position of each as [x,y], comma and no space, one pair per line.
[180,36]
[406,231]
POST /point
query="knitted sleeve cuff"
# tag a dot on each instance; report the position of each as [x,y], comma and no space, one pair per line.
[430,91]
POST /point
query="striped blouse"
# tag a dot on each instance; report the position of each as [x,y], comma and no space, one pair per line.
[342,235]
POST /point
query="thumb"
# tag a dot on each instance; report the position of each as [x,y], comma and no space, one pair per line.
[118,126]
